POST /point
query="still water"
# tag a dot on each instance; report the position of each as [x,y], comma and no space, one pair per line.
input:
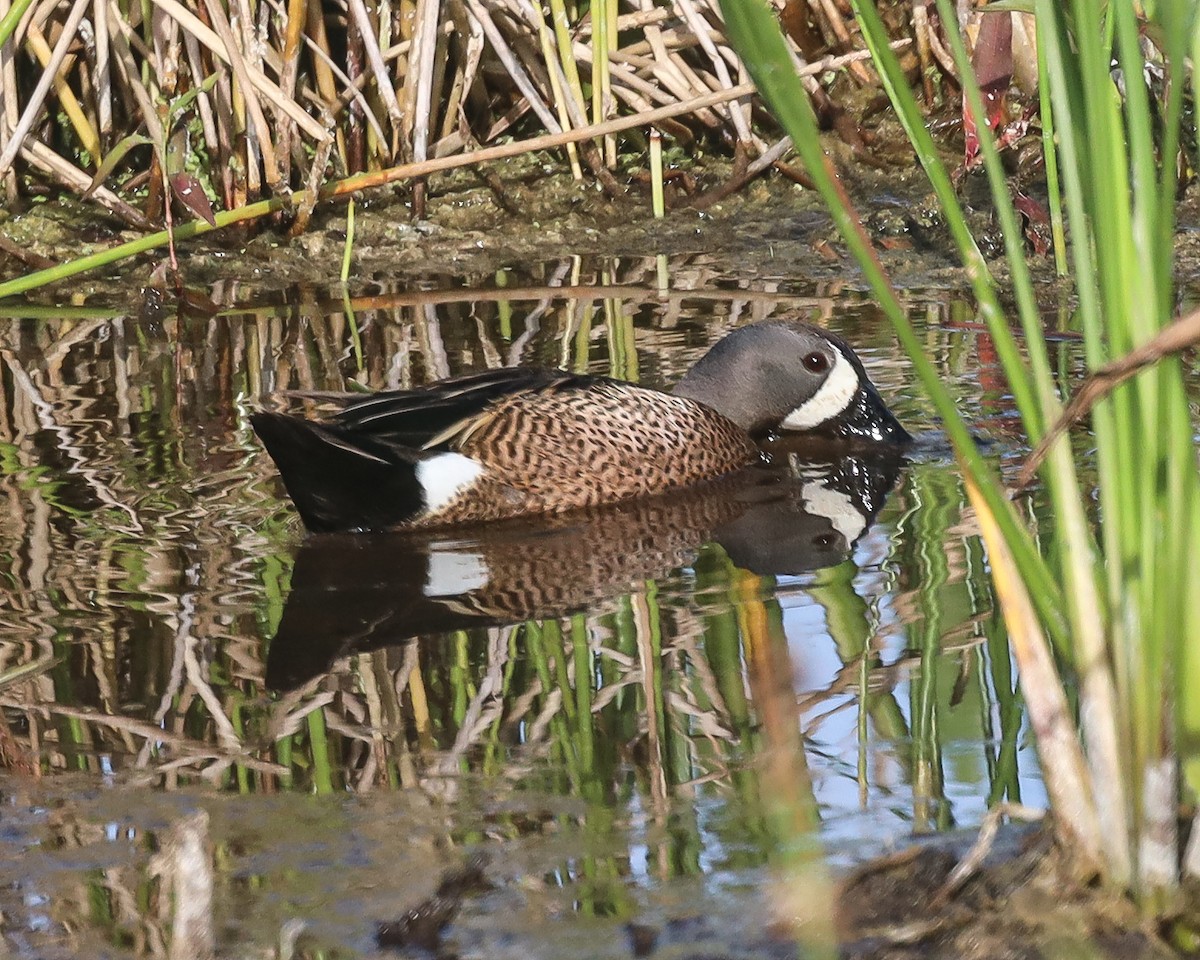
[599,705]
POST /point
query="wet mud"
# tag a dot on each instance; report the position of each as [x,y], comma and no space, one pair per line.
[529,209]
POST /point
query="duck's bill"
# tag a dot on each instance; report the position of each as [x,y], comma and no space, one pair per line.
[867,420]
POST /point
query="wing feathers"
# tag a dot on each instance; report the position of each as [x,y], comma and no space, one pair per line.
[431,417]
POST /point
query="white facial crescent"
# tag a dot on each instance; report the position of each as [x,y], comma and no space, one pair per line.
[829,401]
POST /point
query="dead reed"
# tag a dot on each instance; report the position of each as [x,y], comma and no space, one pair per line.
[223,103]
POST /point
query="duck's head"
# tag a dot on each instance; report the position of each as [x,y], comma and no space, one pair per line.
[791,376]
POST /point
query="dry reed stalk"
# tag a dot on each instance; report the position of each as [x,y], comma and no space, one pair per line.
[101,74]
[295,21]
[312,189]
[563,92]
[204,102]
[319,41]
[667,73]
[639,94]
[546,142]
[458,89]
[255,79]
[699,27]
[828,14]
[472,57]
[242,71]
[37,99]
[671,39]
[512,65]
[164,37]
[560,26]
[1182,333]
[9,107]
[419,91]
[921,32]
[123,39]
[1073,790]
[358,10]
[398,50]
[326,97]
[943,56]
[37,13]
[356,148]
[258,152]
[87,134]
[603,43]
[40,156]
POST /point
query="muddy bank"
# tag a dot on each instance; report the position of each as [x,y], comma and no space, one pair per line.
[519,212]
[256,869]
[529,209]
[1026,902]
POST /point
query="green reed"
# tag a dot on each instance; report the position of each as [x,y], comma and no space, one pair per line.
[1118,599]
[930,531]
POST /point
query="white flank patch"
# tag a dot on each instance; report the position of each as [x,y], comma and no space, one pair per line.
[451,573]
[832,398]
[835,507]
[444,477]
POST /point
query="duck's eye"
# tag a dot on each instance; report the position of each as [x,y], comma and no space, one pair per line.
[816,362]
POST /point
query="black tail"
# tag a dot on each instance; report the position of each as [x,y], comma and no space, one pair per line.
[340,480]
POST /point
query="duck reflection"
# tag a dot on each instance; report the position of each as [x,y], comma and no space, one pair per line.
[353,593]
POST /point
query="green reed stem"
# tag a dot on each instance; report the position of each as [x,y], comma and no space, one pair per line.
[755,31]
[348,248]
[12,18]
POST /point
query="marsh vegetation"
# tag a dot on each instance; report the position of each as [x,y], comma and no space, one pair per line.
[652,716]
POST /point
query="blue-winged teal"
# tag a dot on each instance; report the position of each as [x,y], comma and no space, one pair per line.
[518,441]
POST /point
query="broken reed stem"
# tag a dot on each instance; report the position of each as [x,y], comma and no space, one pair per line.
[657,203]
[1182,334]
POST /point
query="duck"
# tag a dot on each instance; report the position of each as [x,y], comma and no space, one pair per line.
[523,441]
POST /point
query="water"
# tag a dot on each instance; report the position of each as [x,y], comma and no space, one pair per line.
[607,726]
